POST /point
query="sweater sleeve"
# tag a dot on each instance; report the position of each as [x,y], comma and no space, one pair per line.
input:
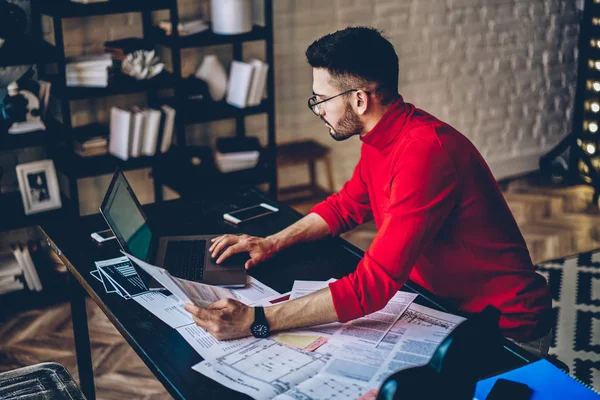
[350,207]
[423,193]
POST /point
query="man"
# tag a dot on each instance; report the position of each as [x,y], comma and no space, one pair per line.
[441,218]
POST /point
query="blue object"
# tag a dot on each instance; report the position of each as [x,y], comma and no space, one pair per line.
[546,380]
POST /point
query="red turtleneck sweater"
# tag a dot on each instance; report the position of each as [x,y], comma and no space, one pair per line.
[442,222]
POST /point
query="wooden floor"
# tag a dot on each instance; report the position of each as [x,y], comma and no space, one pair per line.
[555,222]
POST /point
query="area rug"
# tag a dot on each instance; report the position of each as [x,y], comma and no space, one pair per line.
[575,286]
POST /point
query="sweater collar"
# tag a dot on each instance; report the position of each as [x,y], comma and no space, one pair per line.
[388,127]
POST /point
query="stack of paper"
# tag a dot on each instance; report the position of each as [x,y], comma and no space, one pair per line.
[94,146]
[89,70]
[23,256]
[11,274]
[235,154]
[119,276]
[135,132]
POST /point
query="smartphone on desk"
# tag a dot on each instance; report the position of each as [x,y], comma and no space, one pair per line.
[103,236]
[249,213]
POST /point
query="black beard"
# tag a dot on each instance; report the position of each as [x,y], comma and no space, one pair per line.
[348,126]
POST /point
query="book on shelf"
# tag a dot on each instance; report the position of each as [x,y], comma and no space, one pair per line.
[259,82]
[168,127]
[94,146]
[118,143]
[11,274]
[184,28]
[151,129]
[23,257]
[235,154]
[135,132]
[238,87]
[247,83]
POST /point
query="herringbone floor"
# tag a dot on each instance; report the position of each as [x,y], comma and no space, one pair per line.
[555,222]
[47,335]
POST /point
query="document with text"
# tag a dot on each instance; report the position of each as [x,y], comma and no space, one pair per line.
[369,329]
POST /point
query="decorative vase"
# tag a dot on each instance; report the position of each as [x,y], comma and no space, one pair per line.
[142,64]
[213,73]
[231,17]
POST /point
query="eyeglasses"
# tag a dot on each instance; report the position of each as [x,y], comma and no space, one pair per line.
[313,104]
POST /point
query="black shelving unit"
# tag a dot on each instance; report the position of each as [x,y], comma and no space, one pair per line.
[120,84]
[168,173]
[72,165]
[166,168]
[30,50]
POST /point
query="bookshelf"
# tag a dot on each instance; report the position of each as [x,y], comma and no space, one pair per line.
[73,166]
[170,173]
[166,167]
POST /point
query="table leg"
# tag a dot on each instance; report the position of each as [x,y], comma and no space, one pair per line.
[82,339]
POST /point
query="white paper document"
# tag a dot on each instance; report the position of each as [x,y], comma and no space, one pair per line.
[168,309]
[254,291]
[302,288]
[264,368]
[187,291]
[415,347]
[372,328]
[323,387]
[354,368]
[206,345]
[369,329]
[425,316]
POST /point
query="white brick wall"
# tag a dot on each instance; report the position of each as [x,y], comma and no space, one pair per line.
[500,71]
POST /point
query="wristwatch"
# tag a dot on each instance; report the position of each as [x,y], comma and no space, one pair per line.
[260,326]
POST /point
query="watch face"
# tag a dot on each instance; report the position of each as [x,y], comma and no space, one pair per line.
[260,331]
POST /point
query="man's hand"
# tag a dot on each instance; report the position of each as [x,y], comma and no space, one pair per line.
[224,319]
[259,249]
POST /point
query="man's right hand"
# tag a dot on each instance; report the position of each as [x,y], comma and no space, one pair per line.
[259,249]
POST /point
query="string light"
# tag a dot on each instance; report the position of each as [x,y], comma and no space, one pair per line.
[593,85]
[590,148]
[592,127]
[595,43]
[592,106]
[594,64]
[595,21]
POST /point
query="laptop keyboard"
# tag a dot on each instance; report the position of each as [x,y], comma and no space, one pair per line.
[185,259]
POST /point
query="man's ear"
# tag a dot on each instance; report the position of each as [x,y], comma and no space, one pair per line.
[362,102]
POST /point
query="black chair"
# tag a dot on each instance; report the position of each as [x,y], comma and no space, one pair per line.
[40,381]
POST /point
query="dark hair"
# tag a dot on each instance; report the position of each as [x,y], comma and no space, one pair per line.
[358,57]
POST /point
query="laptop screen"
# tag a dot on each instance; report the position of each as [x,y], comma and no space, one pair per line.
[124,216]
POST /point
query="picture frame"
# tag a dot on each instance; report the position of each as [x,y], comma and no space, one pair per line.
[39,186]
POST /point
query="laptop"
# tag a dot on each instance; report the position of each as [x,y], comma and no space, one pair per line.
[185,256]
